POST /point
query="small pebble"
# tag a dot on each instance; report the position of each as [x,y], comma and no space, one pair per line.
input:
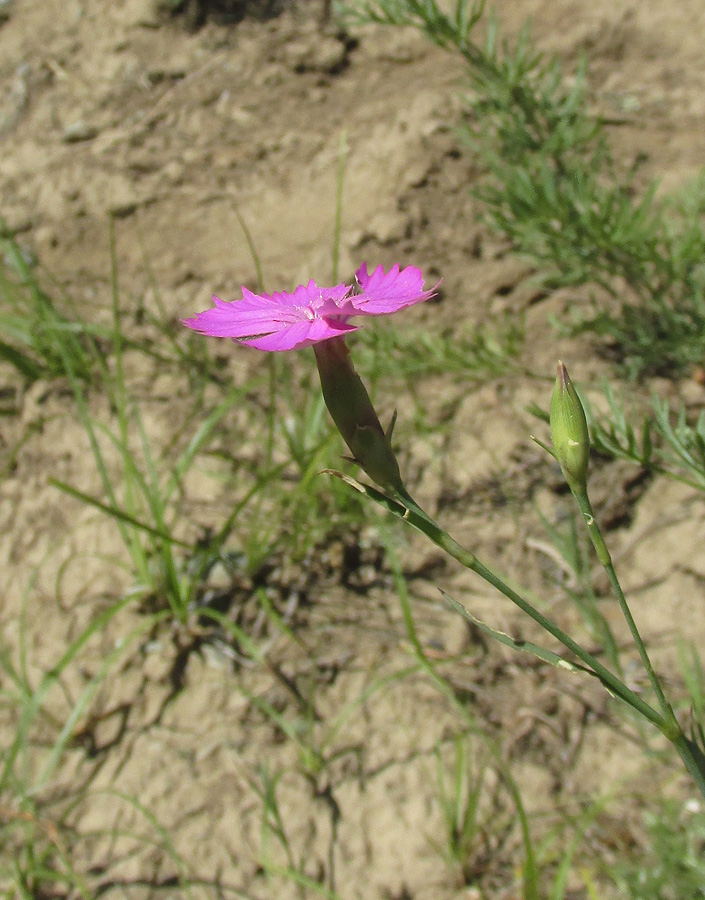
[79,131]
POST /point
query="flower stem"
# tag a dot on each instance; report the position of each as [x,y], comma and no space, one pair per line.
[415,516]
[672,729]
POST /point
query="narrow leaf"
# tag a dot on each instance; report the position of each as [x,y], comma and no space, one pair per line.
[526,646]
[117,513]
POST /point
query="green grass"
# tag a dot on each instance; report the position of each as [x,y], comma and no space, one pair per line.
[37,338]
[667,442]
[38,818]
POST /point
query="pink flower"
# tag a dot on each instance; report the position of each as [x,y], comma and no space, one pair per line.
[310,314]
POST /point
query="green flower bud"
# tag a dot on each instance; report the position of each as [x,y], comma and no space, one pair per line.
[569,432]
[355,418]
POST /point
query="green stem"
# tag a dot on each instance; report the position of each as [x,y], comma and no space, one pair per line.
[672,729]
[693,758]
[415,516]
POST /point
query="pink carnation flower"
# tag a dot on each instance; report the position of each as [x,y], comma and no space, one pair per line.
[288,321]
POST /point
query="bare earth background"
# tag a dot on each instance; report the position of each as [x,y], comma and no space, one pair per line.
[107,107]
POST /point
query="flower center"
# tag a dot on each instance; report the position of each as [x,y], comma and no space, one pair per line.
[310,311]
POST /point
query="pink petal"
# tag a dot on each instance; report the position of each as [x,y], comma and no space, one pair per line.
[263,314]
[301,334]
[238,318]
[387,292]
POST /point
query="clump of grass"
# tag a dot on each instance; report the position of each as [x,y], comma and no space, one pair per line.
[139,500]
[43,335]
[460,792]
[554,188]
[142,482]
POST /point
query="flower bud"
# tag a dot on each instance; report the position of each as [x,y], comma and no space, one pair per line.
[569,432]
[351,409]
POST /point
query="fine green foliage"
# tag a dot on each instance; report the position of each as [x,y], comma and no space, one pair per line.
[667,441]
[276,845]
[453,30]
[43,335]
[693,675]
[139,501]
[554,188]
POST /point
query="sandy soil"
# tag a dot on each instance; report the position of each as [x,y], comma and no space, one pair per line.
[105,107]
